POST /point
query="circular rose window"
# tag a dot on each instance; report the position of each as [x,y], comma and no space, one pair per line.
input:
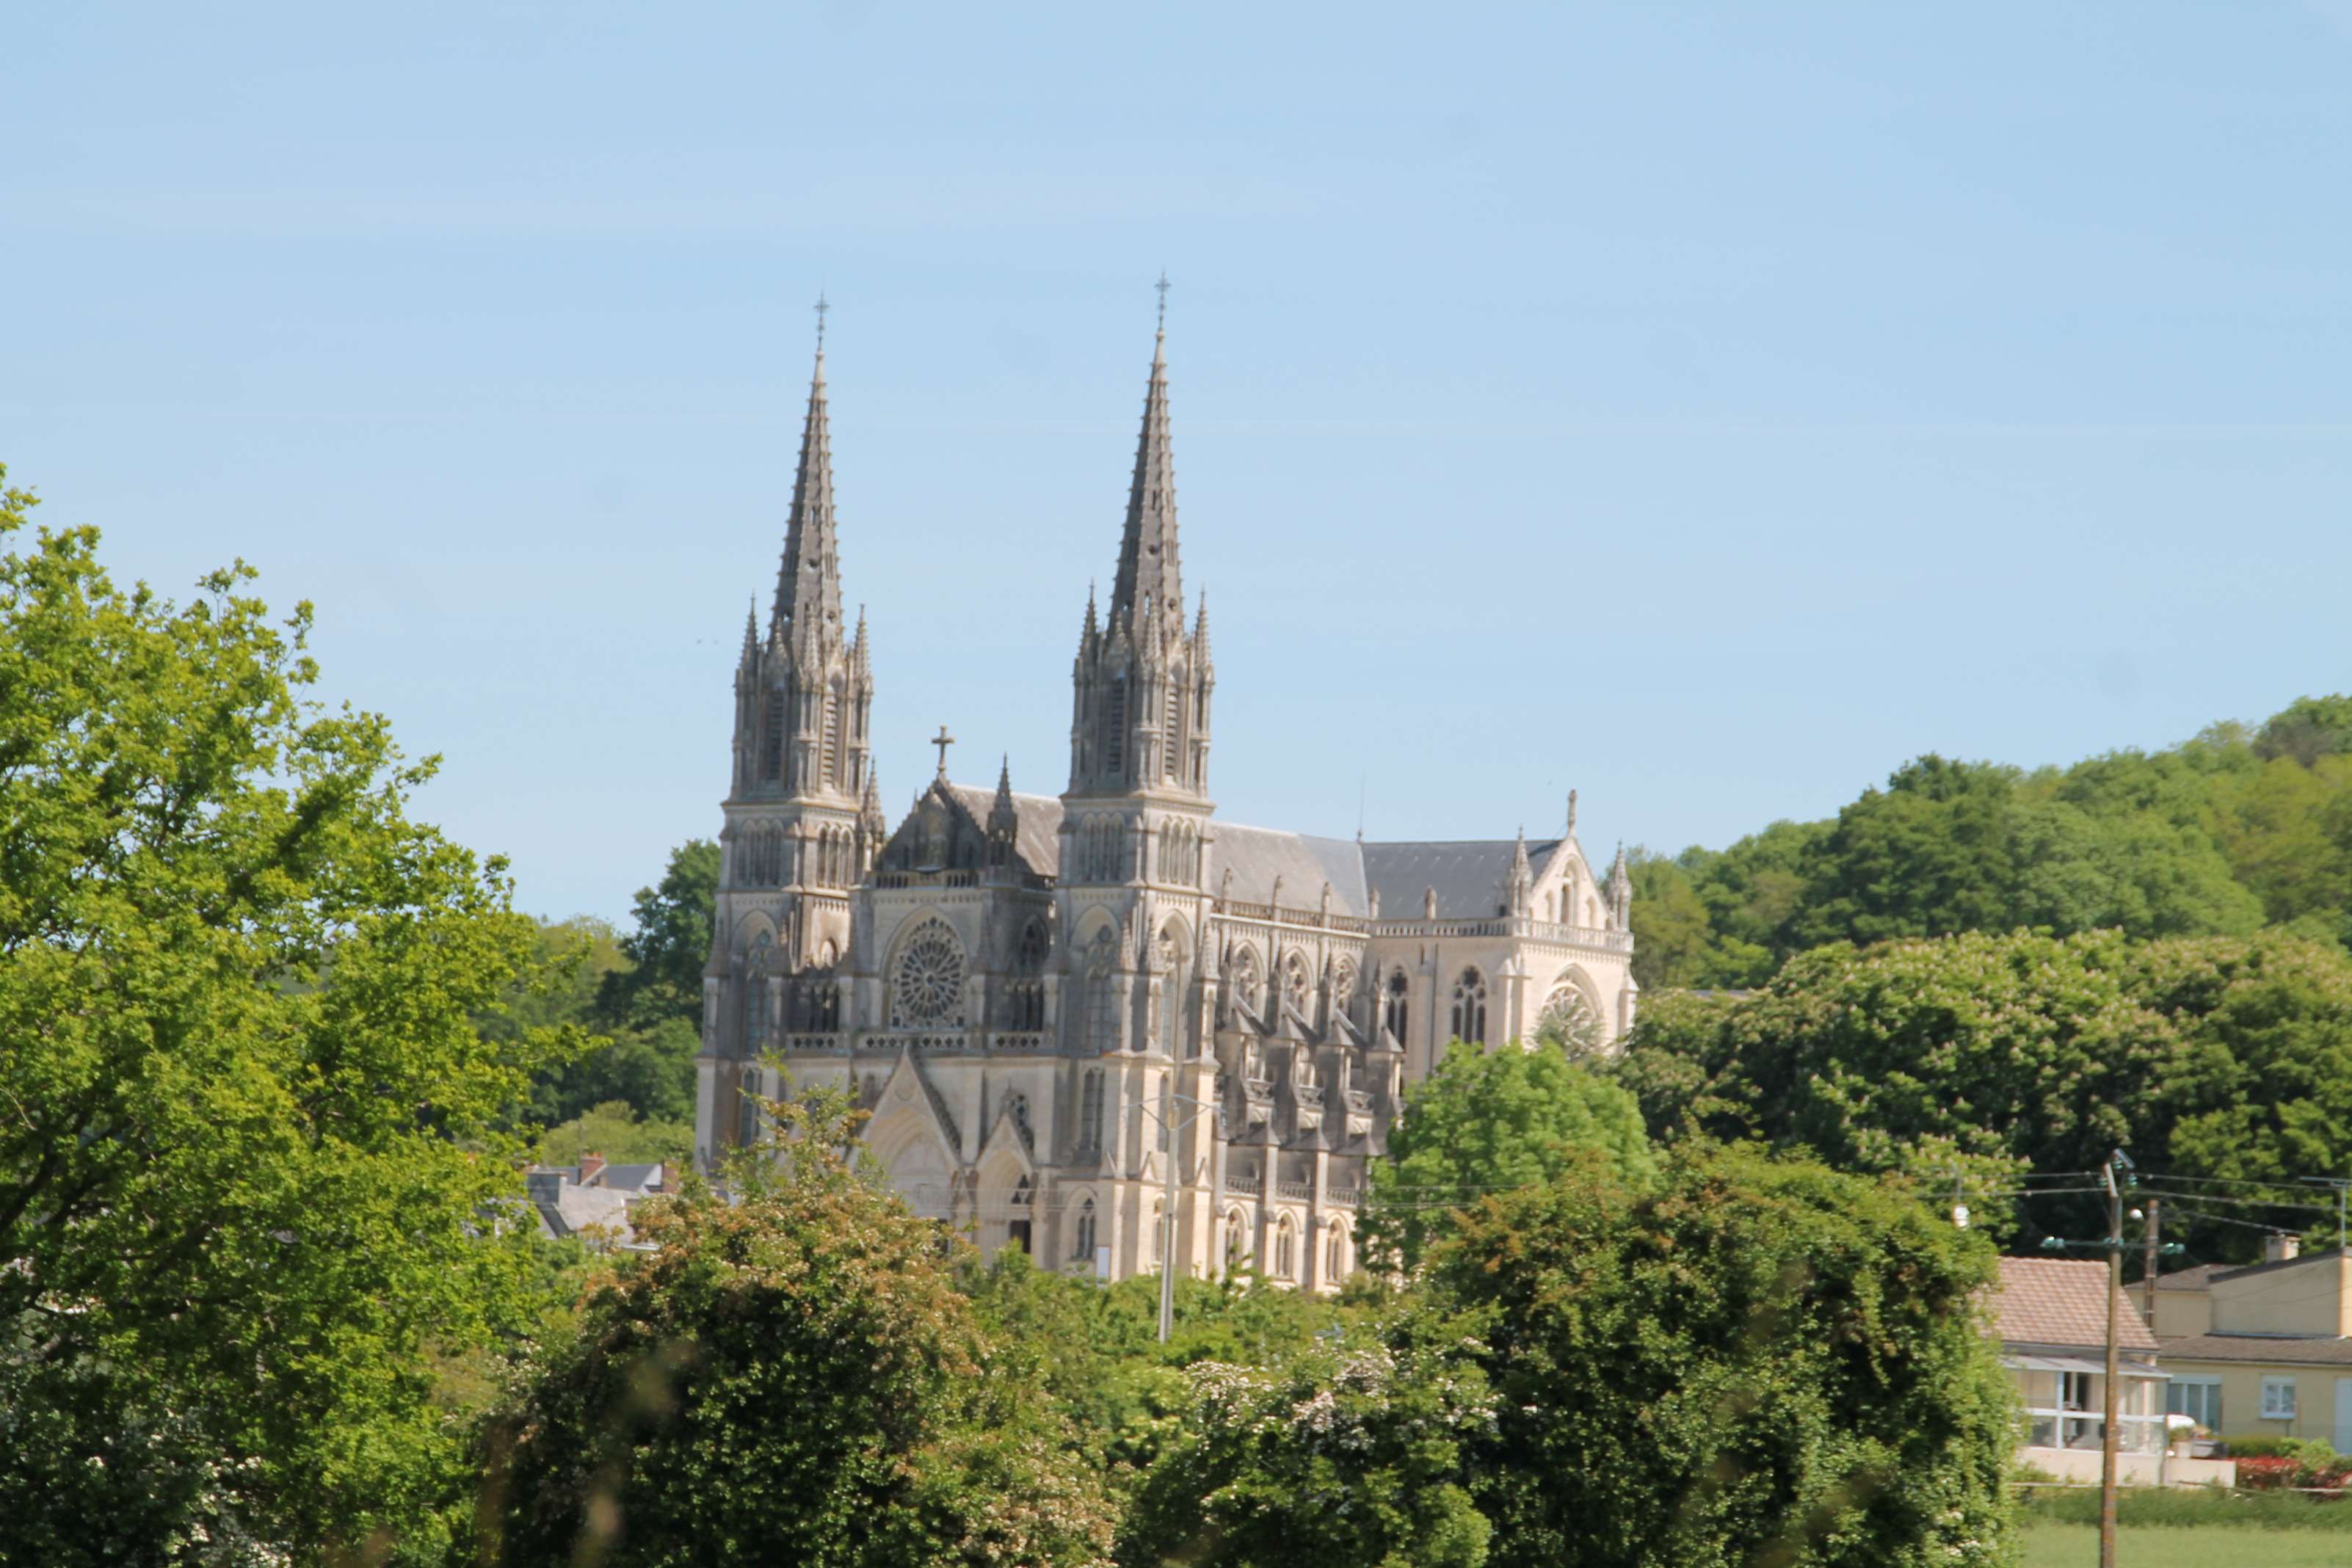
[927,986]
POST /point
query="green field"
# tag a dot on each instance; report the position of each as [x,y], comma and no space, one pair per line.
[2205,1546]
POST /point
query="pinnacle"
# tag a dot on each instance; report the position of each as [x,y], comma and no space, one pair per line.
[1149,568]
[808,582]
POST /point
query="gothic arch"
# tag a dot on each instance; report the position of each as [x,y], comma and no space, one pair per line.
[1244,975]
[1338,1253]
[1572,1019]
[1469,1014]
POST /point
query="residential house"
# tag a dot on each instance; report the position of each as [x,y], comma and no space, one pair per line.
[2052,1316]
[2266,1347]
[591,1201]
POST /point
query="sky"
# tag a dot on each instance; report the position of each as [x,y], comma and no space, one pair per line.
[1706,408]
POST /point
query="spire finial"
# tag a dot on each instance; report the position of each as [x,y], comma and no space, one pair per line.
[944,741]
[1162,288]
[822,307]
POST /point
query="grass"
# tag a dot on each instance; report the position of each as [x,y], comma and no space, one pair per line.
[2192,1546]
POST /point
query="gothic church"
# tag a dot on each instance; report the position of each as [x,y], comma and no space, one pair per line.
[1044,1000]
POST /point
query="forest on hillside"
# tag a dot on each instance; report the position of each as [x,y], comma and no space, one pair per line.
[2241,828]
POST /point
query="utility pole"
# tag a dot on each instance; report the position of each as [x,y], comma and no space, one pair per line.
[2148,1250]
[1168,1133]
[2111,1424]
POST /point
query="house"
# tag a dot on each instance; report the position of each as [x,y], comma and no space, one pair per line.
[2052,1316]
[2266,1347]
[591,1201]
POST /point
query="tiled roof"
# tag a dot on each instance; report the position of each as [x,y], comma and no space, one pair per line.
[2198,1278]
[1470,875]
[2061,1302]
[1038,839]
[2311,1352]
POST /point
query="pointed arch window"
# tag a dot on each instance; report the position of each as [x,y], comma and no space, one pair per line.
[1397,1010]
[829,736]
[772,739]
[1018,1229]
[1237,1241]
[1090,1111]
[1114,727]
[1335,1261]
[1158,1233]
[1171,717]
[1286,1249]
[1085,1230]
[1470,1007]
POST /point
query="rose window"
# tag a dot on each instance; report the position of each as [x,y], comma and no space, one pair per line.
[927,987]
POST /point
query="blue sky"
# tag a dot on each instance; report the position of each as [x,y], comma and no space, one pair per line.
[1706,408]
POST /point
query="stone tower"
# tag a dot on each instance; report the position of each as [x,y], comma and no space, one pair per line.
[803,815]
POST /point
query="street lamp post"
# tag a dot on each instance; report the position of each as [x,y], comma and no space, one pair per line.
[1167,1201]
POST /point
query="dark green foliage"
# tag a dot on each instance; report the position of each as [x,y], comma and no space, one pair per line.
[1487,1121]
[1752,1360]
[2213,838]
[2210,1057]
[670,941]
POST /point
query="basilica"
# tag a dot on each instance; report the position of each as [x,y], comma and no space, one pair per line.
[1073,1016]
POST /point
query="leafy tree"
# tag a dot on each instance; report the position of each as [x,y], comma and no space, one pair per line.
[1752,1359]
[670,943]
[1672,933]
[2306,730]
[249,1129]
[1353,1454]
[1485,1121]
[2209,1057]
[615,1131]
[791,1376]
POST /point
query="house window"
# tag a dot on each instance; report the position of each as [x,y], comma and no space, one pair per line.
[1086,1246]
[2278,1399]
[2199,1398]
[2074,1391]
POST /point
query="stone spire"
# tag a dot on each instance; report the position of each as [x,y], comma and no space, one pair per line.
[1148,576]
[1003,821]
[1523,877]
[1201,633]
[808,584]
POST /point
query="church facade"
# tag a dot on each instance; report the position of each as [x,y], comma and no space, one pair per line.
[1064,1012]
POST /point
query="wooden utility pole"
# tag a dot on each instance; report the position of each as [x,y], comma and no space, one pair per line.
[2148,1250]
[2111,1427]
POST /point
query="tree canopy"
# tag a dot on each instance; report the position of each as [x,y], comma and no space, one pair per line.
[250,1156]
[2218,836]
[1485,1121]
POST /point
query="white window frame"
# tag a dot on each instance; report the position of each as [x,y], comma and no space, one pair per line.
[2278,1399]
[2208,1389]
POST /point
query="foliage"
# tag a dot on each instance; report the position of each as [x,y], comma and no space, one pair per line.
[2212,1058]
[792,1376]
[1750,1359]
[250,1127]
[1487,1121]
[2213,838]
[615,1131]
[1095,1350]
[2194,1508]
[1354,1454]
[670,942]
[2277,1445]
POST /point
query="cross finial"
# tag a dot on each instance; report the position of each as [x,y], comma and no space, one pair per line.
[944,741]
[822,307]
[1162,287]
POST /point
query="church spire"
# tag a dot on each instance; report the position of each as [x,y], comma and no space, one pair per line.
[808,584]
[1148,568]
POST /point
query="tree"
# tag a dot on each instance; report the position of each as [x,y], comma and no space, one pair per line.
[789,1376]
[2227,1058]
[1750,1360]
[1353,1454]
[249,1132]
[1487,1121]
[616,1131]
[670,942]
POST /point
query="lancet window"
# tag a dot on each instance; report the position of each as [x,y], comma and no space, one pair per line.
[1470,1007]
[1397,1008]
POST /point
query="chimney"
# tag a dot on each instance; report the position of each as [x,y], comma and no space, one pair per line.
[2279,1248]
[590,1164]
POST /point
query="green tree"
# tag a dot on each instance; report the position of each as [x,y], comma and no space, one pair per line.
[669,943]
[1349,1455]
[1673,937]
[1485,1121]
[616,1131]
[2206,1056]
[1750,1359]
[791,1376]
[249,1130]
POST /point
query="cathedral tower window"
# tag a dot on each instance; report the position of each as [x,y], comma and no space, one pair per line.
[1090,1111]
[926,982]
[1102,995]
[1017,1232]
[772,739]
[829,737]
[1398,1007]
[1470,1007]
[755,996]
[1115,729]
[1085,1230]
[1170,745]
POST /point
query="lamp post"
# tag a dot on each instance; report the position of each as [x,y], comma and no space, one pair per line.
[1168,1199]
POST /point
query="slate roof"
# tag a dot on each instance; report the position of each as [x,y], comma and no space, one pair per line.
[1039,838]
[2313,1351]
[1256,855]
[2061,1302]
[1471,875]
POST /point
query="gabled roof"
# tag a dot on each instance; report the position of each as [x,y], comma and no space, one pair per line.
[2061,1302]
[1039,838]
[1470,875]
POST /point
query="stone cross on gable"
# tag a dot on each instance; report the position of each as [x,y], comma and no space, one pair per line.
[944,741]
